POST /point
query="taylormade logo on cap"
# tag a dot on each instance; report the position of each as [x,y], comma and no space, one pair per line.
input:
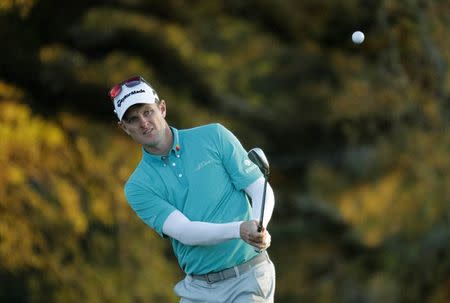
[129,96]
[119,102]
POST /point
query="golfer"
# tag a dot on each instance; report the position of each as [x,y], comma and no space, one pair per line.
[191,186]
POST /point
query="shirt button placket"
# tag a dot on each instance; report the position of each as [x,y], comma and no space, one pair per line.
[164,159]
[178,169]
[179,173]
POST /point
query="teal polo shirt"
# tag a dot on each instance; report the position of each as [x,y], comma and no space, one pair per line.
[204,177]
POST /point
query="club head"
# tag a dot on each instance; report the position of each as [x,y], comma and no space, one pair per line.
[257,156]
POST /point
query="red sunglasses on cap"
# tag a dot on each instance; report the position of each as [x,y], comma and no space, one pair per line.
[115,91]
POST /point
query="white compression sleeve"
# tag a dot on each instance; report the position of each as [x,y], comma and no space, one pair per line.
[179,227]
[255,191]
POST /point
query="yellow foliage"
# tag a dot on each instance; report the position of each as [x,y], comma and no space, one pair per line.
[406,200]
[440,293]
[55,193]
[15,175]
[9,92]
[119,19]
[24,6]
[368,204]
[53,137]
[101,209]
[69,199]
[50,54]
[17,242]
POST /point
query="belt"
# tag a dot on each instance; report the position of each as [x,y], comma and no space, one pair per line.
[234,271]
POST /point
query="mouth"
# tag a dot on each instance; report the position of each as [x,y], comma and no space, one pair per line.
[147,132]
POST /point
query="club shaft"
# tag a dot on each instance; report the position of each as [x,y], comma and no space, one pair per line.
[263,205]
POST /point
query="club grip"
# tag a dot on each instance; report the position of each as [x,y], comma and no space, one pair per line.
[260,227]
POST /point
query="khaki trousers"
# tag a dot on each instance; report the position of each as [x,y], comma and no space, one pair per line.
[255,285]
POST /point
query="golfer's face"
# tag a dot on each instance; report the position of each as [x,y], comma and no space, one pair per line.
[146,124]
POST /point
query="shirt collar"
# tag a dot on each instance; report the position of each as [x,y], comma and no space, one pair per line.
[176,149]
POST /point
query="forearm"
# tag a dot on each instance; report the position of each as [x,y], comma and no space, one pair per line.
[179,227]
[255,192]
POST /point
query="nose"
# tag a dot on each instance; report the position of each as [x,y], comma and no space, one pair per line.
[143,122]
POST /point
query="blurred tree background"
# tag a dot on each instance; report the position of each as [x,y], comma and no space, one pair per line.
[357,136]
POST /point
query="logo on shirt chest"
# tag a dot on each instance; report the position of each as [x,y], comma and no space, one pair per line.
[202,165]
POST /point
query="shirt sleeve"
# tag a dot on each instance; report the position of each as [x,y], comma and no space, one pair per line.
[256,192]
[148,206]
[239,167]
[179,227]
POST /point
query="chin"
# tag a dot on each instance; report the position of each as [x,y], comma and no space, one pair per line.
[149,141]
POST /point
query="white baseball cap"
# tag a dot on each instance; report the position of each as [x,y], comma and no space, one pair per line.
[130,92]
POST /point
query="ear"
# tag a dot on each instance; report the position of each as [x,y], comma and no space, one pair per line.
[123,127]
[162,108]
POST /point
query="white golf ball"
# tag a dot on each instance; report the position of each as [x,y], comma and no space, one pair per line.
[358,37]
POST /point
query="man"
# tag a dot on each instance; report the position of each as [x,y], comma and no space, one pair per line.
[191,186]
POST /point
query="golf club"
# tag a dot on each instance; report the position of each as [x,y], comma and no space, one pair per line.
[257,156]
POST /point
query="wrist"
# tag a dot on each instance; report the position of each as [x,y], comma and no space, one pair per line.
[237,234]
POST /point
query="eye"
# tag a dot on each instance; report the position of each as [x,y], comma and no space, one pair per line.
[132,120]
